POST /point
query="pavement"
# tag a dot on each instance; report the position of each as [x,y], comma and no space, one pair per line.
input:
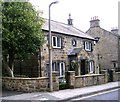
[65,95]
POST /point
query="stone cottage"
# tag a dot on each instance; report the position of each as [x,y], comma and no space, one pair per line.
[69,45]
[72,49]
[107,49]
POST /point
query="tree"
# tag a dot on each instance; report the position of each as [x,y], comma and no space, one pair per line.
[21,32]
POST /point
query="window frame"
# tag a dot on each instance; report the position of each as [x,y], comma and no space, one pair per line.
[53,68]
[88,46]
[56,44]
[61,74]
[91,67]
[74,43]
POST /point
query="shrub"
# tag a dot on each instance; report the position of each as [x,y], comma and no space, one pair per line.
[117,69]
[62,84]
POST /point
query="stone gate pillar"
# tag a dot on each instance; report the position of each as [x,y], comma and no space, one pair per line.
[70,79]
[114,74]
[55,78]
[105,72]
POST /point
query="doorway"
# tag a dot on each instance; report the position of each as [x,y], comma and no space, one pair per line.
[82,66]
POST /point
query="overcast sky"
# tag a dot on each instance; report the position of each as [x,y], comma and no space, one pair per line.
[81,12]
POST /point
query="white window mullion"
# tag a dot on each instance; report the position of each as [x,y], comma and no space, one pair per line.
[60,69]
[91,67]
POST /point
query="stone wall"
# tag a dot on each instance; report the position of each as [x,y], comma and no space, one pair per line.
[116,76]
[25,84]
[89,80]
[30,84]
[84,80]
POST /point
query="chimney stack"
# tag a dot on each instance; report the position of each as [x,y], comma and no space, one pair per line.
[95,22]
[70,21]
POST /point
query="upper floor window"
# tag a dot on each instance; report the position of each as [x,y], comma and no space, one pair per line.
[115,65]
[74,43]
[56,42]
[88,46]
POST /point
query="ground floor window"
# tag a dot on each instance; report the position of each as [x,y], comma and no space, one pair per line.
[91,67]
[56,66]
[61,69]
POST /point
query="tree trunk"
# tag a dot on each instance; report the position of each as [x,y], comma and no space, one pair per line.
[11,63]
[9,71]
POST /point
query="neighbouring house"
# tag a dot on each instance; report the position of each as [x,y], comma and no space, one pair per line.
[107,49]
[72,49]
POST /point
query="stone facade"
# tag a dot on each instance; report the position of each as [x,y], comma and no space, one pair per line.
[61,55]
[106,50]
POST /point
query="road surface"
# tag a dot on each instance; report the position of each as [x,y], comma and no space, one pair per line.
[108,95]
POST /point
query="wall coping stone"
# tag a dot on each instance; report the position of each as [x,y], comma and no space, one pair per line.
[70,71]
[90,75]
[118,72]
[19,78]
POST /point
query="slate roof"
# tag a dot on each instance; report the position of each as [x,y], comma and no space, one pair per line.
[66,29]
[74,51]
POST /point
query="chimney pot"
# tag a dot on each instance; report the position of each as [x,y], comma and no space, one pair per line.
[95,22]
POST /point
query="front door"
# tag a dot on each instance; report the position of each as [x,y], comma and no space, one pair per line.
[82,67]
[71,59]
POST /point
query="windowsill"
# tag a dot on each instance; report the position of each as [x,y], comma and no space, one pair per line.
[56,47]
[88,50]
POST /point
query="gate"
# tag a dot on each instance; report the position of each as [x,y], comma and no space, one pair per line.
[110,75]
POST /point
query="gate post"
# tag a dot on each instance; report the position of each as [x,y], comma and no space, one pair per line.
[113,74]
[55,81]
[105,72]
[70,79]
